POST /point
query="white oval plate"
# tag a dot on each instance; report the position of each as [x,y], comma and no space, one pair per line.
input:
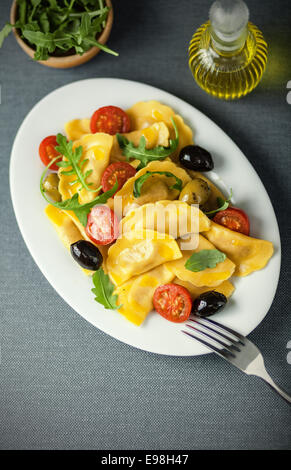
[254,294]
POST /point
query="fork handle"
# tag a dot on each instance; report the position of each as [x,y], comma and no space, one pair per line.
[265,376]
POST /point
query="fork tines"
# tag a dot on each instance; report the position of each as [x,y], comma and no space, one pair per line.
[219,338]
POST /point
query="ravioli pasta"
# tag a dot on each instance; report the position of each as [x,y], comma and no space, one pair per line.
[208,277]
[226,288]
[249,254]
[70,230]
[156,134]
[139,251]
[145,113]
[156,188]
[136,295]
[77,128]
[175,218]
[154,227]
[65,227]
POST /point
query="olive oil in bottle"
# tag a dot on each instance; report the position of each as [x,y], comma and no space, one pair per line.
[228,54]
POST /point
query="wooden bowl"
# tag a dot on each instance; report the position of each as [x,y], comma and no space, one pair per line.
[69,61]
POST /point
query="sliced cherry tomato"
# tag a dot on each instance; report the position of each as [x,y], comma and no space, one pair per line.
[120,170]
[234,219]
[173,302]
[111,120]
[102,225]
[47,151]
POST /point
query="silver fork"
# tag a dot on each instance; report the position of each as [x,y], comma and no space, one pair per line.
[233,347]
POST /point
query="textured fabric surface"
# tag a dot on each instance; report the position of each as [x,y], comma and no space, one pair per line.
[65,384]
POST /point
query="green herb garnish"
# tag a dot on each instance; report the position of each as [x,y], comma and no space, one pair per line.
[104,290]
[57,26]
[147,155]
[80,210]
[222,204]
[141,180]
[73,161]
[5,32]
[204,259]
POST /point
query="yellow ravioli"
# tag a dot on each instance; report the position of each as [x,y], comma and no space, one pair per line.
[145,113]
[96,149]
[208,277]
[65,228]
[136,295]
[137,252]
[226,288]
[77,128]
[249,254]
[172,217]
[70,230]
[156,187]
[157,134]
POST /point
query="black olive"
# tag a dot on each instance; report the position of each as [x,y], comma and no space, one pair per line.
[87,255]
[196,158]
[208,303]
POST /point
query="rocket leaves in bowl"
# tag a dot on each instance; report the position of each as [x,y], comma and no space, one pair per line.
[60,27]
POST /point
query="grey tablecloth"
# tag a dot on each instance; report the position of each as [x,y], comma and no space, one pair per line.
[67,385]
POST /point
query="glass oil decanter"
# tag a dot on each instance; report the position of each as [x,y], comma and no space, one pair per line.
[228,54]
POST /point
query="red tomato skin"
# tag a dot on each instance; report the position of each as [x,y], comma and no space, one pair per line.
[48,145]
[233,218]
[166,298]
[111,120]
[122,170]
[102,225]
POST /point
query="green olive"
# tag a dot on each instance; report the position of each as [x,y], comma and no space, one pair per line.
[195,192]
[50,185]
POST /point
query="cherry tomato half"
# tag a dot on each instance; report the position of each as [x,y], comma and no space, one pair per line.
[234,219]
[47,151]
[120,170]
[111,120]
[102,225]
[173,302]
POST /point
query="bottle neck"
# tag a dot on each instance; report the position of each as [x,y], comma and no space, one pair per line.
[225,45]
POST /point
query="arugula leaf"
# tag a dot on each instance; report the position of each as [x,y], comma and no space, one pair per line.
[40,39]
[5,32]
[35,4]
[80,210]
[98,21]
[83,210]
[103,47]
[204,259]
[147,155]
[53,4]
[22,8]
[44,22]
[141,180]
[73,162]
[85,25]
[104,290]
[41,53]
[59,26]
[222,204]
